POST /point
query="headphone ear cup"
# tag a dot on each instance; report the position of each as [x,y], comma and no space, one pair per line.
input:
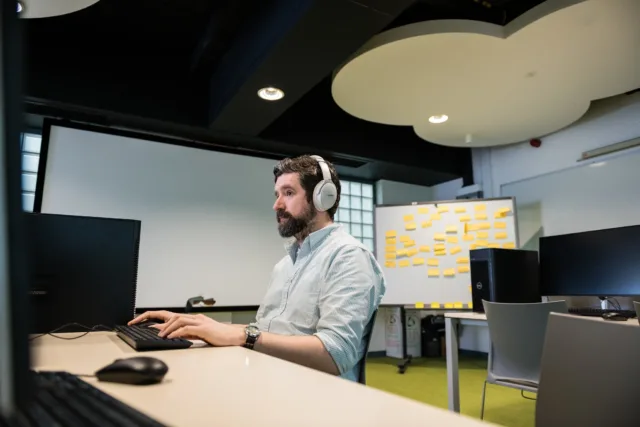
[325,196]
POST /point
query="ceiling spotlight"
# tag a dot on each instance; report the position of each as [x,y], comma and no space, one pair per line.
[270,93]
[439,119]
[597,164]
[20,7]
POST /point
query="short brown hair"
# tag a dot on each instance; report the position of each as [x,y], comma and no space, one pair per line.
[310,174]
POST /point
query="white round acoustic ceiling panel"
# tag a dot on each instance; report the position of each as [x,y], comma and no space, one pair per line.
[49,8]
[497,85]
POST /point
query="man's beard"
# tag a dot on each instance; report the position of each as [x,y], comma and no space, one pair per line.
[292,226]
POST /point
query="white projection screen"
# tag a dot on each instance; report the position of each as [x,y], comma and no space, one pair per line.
[208,227]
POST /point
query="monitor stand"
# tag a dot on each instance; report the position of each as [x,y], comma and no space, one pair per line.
[605,304]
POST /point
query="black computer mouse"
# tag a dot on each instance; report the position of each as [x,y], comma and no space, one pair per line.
[134,370]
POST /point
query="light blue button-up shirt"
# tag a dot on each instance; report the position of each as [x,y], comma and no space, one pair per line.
[329,286]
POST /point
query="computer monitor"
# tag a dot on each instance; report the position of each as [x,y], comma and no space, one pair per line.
[14,349]
[83,270]
[603,263]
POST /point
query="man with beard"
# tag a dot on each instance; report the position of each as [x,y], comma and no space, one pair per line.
[323,293]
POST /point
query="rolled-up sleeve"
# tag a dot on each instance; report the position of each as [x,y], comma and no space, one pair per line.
[350,295]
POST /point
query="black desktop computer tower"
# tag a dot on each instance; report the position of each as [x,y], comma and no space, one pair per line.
[504,275]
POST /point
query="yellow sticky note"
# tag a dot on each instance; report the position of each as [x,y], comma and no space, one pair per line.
[463,269]
[465,218]
[440,253]
[412,252]
[474,246]
[482,235]
[467,237]
[470,305]
[473,227]
[500,225]
[457,305]
[504,210]
[451,229]
[499,215]
[439,247]
[509,246]
[449,272]
[494,245]
[426,224]
[432,262]
[419,305]
[390,256]
[433,272]
[410,226]
[484,226]
[409,243]
[455,250]
[405,238]
[439,237]
[435,217]
[443,209]
[425,248]
[391,233]
[452,239]
[448,305]
[390,248]
[463,260]
[482,243]
[390,264]
[435,305]
[418,261]
[460,210]
[390,241]
[423,210]
[480,207]
[402,252]
[404,263]
[407,218]
[481,216]
[501,235]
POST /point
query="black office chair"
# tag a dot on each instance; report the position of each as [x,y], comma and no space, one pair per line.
[367,338]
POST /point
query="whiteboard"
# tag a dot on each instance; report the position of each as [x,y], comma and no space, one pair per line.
[208,227]
[423,248]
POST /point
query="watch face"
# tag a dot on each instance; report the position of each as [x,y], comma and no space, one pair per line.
[252,330]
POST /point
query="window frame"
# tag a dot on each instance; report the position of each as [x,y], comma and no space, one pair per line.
[371,184]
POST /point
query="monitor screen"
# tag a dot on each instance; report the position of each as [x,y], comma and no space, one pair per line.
[83,270]
[594,263]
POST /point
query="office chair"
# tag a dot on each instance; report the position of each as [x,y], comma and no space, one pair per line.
[363,361]
[517,336]
[590,373]
[637,307]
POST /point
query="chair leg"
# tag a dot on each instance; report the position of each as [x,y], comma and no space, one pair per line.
[484,392]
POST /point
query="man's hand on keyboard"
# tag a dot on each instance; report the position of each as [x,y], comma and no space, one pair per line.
[161,315]
[202,327]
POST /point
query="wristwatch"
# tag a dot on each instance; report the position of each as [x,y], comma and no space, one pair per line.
[252,332]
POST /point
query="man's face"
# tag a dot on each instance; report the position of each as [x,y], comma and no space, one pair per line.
[293,213]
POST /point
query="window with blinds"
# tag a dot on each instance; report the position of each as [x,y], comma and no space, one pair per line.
[30,145]
[355,212]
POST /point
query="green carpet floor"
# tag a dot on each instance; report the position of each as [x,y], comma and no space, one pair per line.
[426,381]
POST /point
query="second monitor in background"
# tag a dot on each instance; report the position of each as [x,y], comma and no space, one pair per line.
[84,270]
[602,263]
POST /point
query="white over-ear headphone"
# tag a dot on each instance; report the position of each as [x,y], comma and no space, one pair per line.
[325,193]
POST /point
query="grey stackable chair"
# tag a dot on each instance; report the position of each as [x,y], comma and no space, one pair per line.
[363,362]
[517,334]
[590,373]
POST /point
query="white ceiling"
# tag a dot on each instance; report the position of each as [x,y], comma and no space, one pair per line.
[498,84]
[49,8]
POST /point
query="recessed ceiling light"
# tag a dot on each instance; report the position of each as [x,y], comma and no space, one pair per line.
[597,164]
[439,119]
[20,7]
[270,93]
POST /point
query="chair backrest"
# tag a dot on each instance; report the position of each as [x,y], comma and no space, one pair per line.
[517,337]
[637,307]
[590,373]
[367,339]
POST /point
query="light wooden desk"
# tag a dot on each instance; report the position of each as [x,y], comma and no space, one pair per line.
[452,321]
[238,387]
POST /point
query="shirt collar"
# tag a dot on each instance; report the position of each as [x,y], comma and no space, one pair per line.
[312,241]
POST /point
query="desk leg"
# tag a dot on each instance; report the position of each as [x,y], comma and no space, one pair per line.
[453,384]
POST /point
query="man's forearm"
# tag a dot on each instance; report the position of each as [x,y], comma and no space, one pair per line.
[305,350]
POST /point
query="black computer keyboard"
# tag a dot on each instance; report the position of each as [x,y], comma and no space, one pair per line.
[144,338]
[62,399]
[598,312]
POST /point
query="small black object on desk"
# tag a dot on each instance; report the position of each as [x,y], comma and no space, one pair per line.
[134,370]
[197,300]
